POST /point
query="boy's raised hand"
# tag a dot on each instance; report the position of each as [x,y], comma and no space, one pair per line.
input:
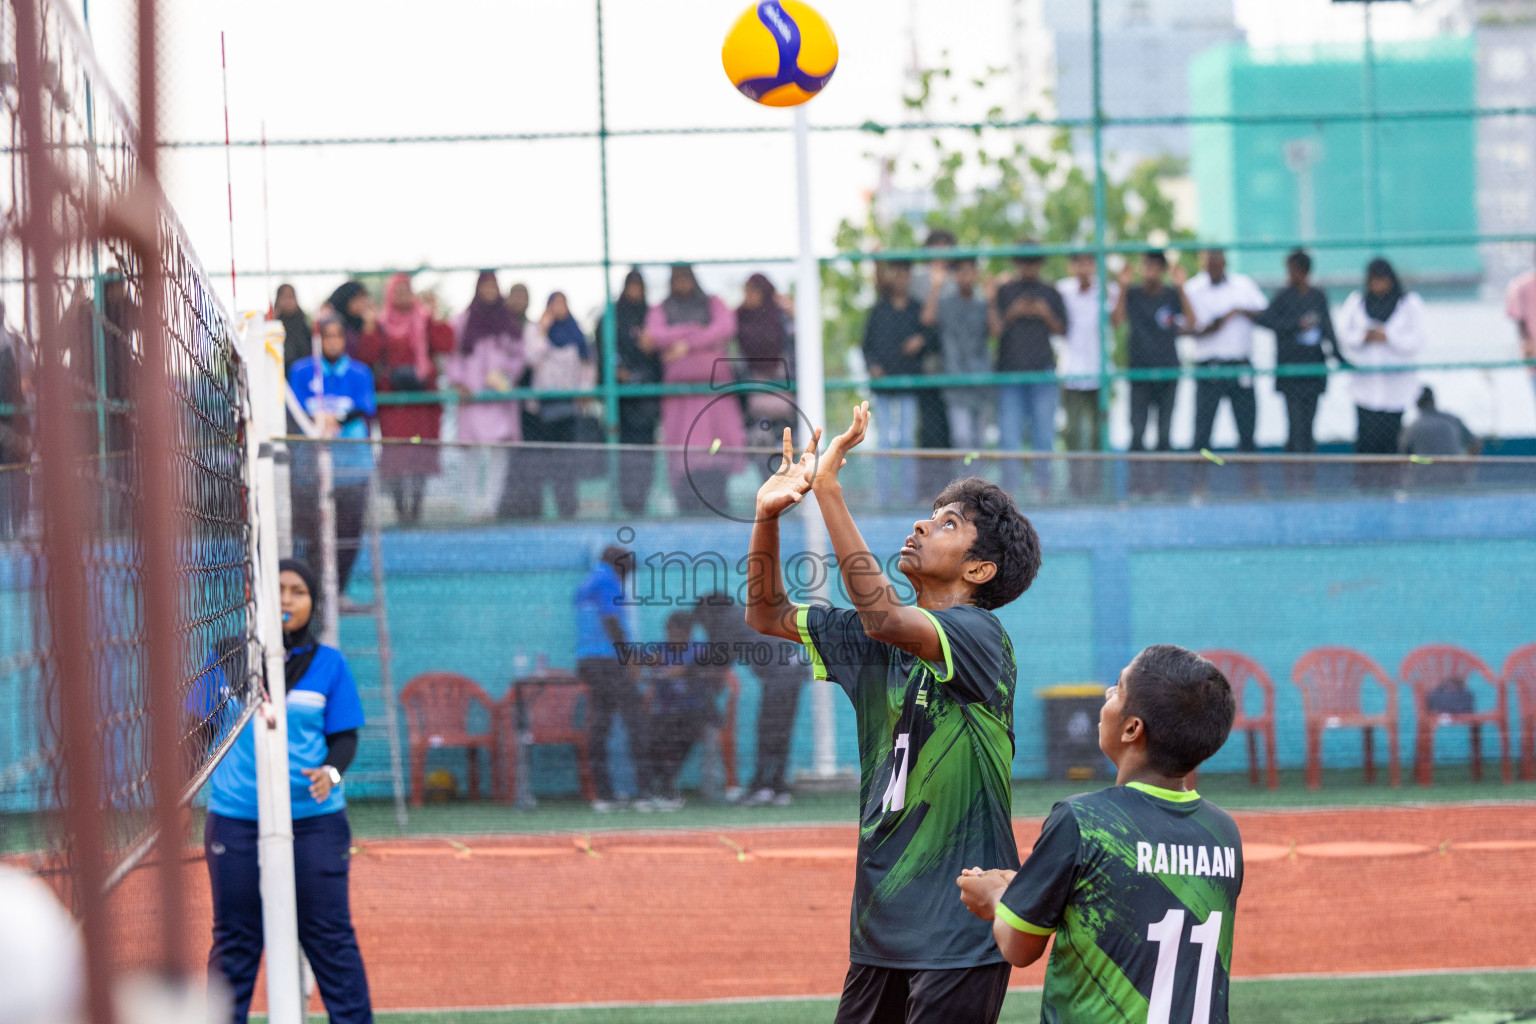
[837,453]
[788,484]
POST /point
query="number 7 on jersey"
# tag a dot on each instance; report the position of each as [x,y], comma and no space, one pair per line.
[896,789]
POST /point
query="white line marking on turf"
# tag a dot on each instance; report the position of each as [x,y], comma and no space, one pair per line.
[742,1000]
[1368,975]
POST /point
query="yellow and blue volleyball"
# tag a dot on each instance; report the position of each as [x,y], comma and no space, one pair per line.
[780,53]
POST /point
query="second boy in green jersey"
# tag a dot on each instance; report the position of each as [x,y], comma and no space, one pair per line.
[1138,882]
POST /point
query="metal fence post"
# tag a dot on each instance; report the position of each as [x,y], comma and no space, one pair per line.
[1372,161]
[1100,233]
[610,339]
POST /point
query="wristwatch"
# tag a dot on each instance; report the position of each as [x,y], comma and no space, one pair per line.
[332,774]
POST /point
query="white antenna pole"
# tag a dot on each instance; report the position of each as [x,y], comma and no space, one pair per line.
[229,178]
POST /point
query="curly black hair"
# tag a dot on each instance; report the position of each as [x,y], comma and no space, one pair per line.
[1004,537]
[1184,701]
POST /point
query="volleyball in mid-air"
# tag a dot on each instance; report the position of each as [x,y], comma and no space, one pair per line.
[780,53]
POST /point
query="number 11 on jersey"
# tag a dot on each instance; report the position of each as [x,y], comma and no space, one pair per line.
[1167,933]
[896,789]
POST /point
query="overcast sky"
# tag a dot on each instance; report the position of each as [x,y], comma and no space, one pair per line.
[346,68]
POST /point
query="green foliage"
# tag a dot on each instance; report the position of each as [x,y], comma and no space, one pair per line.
[995,190]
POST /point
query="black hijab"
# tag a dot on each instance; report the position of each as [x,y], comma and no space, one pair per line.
[341,298]
[300,645]
[298,337]
[1381,307]
[631,311]
[629,320]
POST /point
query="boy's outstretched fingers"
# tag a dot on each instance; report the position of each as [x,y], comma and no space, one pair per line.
[789,452]
[852,437]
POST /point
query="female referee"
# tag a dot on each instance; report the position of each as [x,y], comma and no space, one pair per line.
[324,715]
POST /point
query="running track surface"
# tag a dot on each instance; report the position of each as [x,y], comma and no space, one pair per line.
[627,916]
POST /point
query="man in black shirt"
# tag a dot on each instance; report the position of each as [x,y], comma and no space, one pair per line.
[1027,312]
[932,407]
[1156,315]
[894,342]
[1303,328]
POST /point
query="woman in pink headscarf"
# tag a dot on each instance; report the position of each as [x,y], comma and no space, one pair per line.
[691,331]
[403,349]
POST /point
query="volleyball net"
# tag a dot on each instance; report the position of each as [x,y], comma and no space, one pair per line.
[125,501]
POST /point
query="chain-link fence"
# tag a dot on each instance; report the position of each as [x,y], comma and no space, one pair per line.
[1353,131]
[1273,556]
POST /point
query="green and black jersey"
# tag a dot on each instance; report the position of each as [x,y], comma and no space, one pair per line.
[1140,886]
[935,752]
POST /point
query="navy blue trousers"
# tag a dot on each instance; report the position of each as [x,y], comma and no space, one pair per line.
[320,862]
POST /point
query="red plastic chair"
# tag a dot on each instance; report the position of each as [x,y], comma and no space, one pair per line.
[1240,670]
[437,706]
[1520,675]
[548,709]
[1329,679]
[1425,669]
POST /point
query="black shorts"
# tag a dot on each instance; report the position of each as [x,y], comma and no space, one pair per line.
[890,995]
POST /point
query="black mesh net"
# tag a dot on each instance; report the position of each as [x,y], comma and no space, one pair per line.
[98,309]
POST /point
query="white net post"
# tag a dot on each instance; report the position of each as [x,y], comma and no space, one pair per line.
[810,395]
[330,586]
[262,349]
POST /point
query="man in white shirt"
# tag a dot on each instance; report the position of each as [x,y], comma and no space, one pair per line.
[1220,307]
[1080,363]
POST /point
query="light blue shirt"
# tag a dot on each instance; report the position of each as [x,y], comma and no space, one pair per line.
[323,702]
[345,387]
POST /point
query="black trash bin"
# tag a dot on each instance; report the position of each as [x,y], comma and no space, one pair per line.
[1072,732]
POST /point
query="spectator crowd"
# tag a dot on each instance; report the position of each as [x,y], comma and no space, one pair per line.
[406,345]
[946,318]
[941,316]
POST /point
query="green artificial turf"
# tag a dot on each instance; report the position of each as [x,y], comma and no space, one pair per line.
[1494,998]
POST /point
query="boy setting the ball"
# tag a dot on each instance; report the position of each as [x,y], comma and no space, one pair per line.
[1138,882]
[932,688]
